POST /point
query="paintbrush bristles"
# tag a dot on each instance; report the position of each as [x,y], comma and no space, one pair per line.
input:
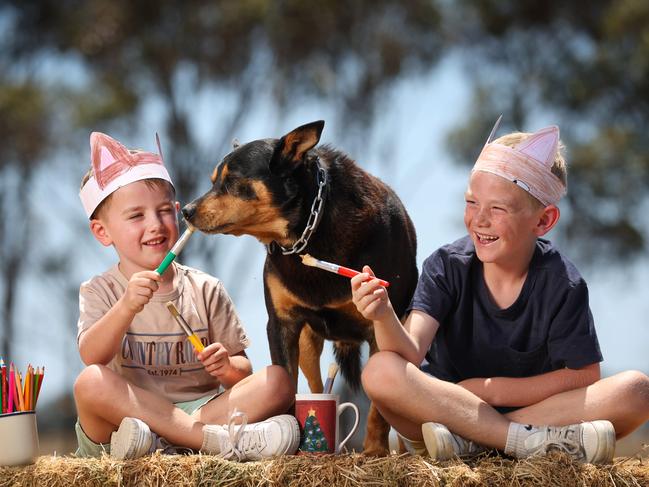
[172,309]
[333,370]
[331,375]
[308,260]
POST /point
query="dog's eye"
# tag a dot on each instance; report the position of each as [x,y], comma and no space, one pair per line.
[244,190]
[239,188]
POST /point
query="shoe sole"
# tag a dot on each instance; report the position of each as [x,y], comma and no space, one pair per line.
[439,446]
[605,442]
[124,441]
[294,444]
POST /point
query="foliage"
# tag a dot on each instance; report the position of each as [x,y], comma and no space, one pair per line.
[588,67]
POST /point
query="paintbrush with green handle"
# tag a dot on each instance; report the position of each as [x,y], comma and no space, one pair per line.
[175,250]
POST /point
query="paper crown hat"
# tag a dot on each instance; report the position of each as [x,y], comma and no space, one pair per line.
[528,164]
[114,166]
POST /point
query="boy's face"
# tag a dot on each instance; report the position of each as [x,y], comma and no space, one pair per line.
[141,223]
[502,220]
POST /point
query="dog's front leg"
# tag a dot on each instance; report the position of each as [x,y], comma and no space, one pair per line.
[311,345]
[283,339]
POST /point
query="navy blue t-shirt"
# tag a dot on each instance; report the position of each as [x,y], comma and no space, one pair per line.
[548,327]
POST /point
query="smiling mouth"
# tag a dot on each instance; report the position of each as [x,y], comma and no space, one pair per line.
[156,241]
[485,239]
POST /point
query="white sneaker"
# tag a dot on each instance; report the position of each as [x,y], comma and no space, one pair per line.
[589,442]
[279,435]
[134,439]
[444,445]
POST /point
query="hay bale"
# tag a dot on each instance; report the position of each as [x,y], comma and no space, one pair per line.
[323,470]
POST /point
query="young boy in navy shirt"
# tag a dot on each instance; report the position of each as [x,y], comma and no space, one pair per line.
[499,349]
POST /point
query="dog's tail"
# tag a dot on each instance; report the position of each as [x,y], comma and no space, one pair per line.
[348,356]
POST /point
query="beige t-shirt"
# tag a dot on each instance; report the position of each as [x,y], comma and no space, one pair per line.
[155,353]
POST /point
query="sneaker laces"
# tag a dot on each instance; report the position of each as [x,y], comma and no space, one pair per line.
[166,448]
[464,447]
[239,443]
[561,439]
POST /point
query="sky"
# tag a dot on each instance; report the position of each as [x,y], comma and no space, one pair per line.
[406,149]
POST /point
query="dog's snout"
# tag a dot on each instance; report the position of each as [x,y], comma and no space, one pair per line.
[188,211]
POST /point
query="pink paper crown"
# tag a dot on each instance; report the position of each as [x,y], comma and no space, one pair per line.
[528,165]
[114,166]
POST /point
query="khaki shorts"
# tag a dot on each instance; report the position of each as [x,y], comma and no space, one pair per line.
[88,448]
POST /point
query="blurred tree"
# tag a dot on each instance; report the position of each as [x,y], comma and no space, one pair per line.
[587,65]
[24,120]
[115,58]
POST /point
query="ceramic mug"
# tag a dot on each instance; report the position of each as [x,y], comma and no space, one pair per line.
[18,438]
[318,415]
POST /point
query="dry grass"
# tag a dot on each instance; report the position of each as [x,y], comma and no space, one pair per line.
[339,470]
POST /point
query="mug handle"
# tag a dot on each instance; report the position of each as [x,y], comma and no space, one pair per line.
[341,408]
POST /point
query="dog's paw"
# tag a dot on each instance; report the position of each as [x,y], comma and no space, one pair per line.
[375,451]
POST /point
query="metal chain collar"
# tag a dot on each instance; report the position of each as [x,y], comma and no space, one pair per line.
[314,218]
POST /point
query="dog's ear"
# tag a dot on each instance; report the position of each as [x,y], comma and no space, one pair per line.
[294,145]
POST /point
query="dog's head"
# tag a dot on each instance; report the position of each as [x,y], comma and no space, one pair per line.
[258,187]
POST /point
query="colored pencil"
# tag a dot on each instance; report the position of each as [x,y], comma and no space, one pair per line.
[30,390]
[35,391]
[191,336]
[26,389]
[175,250]
[3,367]
[335,268]
[40,383]
[10,398]
[19,391]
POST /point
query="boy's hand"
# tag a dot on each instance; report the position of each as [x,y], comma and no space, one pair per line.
[371,299]
[215,359]
[140,289]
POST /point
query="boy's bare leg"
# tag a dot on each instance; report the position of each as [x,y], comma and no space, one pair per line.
[622,399]
[104,398]
[407,398]
[413,398]
[266,393]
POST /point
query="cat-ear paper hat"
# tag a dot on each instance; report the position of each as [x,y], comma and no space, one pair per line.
[114,166]
[528,165]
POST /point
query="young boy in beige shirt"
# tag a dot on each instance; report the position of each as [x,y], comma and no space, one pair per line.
[144,387]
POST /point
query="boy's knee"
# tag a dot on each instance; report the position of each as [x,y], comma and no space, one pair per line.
[280,385]
[636,385]
[379,371]
[89,383]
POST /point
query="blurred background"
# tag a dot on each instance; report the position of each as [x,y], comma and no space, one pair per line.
[409,89]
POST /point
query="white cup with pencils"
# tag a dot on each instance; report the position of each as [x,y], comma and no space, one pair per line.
[18,397]
[19,434]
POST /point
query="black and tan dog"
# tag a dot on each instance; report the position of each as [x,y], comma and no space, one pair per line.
[295,199]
